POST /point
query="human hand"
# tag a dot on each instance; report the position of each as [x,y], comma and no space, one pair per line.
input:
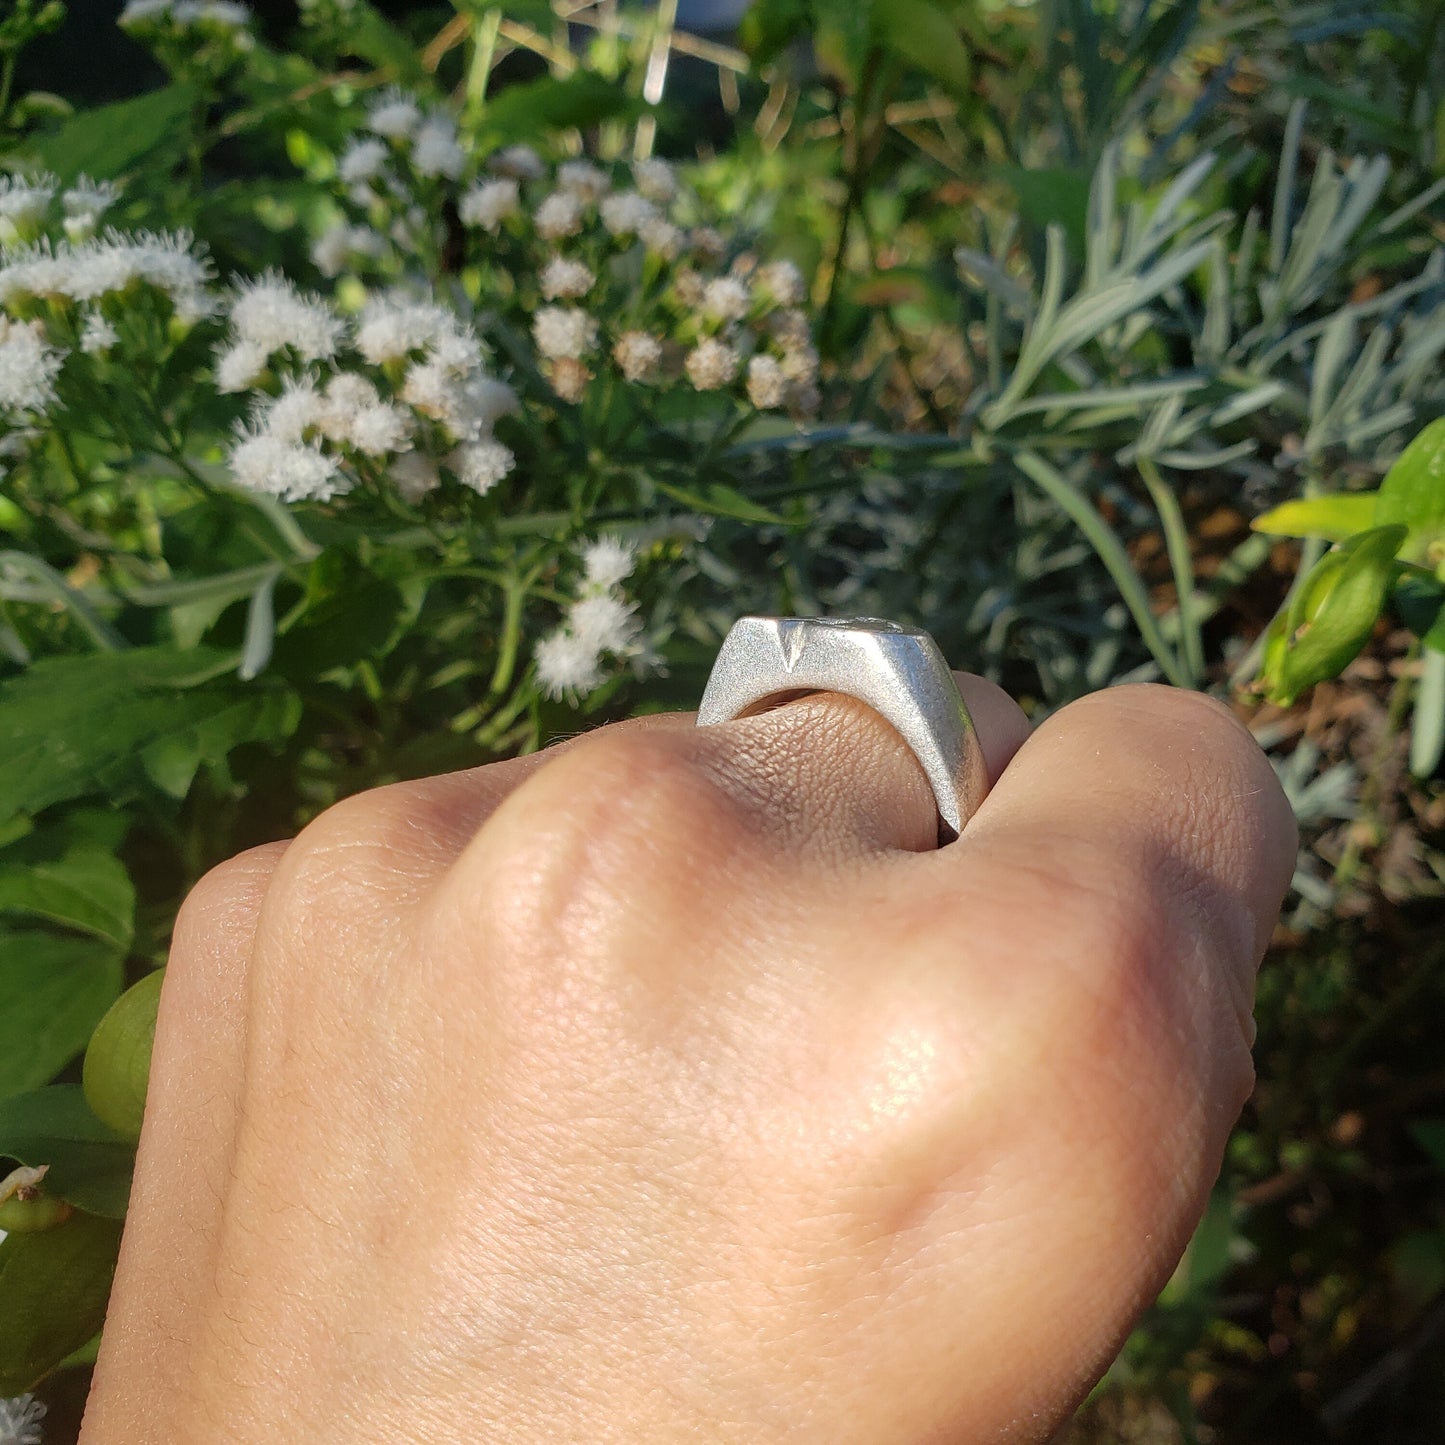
[668,1086]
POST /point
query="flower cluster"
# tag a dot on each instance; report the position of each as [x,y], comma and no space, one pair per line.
[64,290]
[600,622]
[29,207]
[602,270]
[397,392]
[20,1418]
[195,20]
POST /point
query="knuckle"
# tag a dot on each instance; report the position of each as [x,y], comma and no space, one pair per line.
[608,838]
[224,902]
[369,846]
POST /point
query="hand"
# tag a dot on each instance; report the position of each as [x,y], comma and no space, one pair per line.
[669,1086]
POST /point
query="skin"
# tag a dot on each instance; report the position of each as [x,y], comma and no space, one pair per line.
[671,1086]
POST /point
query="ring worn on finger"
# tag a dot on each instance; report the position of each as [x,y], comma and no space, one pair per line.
[897,671]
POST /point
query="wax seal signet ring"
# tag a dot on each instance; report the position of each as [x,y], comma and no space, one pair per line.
[897,671]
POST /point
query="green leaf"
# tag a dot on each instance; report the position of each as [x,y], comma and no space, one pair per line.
[522,112]
[85,888]
[1413,491]
[1420,601]
[923,34]
[1427,726]
[1332,614]
[1429,1134]
[719,500]
[53,991]
[770,26]
[1051,195]
[118,1058]
[90,1164]
[106,723]
[112,139]
[372,37]
[1335,518]
[55,1286]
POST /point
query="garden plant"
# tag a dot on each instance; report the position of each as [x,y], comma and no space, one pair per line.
[390,390]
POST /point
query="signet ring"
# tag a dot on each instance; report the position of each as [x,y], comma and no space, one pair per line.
[897,671]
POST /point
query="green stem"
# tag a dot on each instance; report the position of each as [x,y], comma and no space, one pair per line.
[516,596]
[485,32]
[1368,830]
[857,163]
[1111,553]
[7,85]
[1181,564]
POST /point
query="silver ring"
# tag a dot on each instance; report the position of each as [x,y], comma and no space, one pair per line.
[898,671]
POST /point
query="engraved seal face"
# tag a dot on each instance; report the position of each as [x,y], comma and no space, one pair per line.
[898,671]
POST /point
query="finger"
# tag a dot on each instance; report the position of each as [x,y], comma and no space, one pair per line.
[1095,935]
[187,1139]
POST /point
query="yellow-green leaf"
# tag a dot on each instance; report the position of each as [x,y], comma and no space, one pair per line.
[1333,518]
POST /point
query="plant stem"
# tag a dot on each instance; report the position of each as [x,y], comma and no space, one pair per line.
[1181,564]
[857,162]
[1111,553]
[1367,829]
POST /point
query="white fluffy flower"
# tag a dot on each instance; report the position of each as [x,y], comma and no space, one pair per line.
[351,413]
[97,336]
[394,114]
[560,214]
[637,355]
[800,364]
[338,244]
[712,364]
[291,415]
[362,160]
[624,213]
[604,621]
[583,180]
[138,12]
[226,14]
[482,464]
[562,277]
[270,312]
[662,238]
[725,298]
[564,332]
[435,149]
[656,181]
[240,366]
[519,161]
[566,664]
[468,405]
[607,561]
[85,203]
[377,430]
[414,475]
[20,1418]
[167,260]
[24,198]
[708,242]
[391,326]
[479,403]
[29,365]
[488,203]
[261,462]
[767,384]
[430,387]
[569,378]
[790,329]
[780,282]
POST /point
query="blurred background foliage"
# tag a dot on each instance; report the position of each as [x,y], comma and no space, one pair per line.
[1096,285]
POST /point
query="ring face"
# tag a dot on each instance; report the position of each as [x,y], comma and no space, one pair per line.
[898,671]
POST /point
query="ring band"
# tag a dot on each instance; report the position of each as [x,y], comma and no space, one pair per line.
[898,671]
